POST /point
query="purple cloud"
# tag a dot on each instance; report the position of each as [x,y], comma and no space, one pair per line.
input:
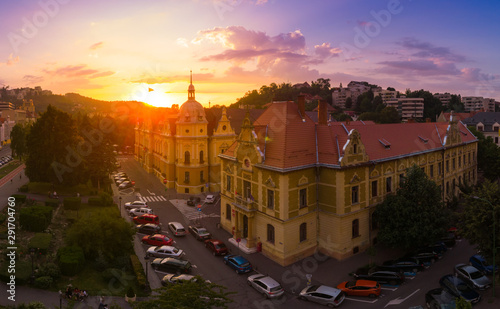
[96,46]
[32,79]
[426,67]
[428,50]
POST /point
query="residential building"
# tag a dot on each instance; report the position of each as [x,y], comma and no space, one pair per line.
[6,106]
[408,108]
[354,90]
[445,98]
[488,123]
[386,95]
[292,186]
[478,104]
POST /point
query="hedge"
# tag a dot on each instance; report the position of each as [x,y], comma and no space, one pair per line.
[72,203]
[71,260]
[95,201]
[35,218]
[24,188]
[104,199]
[43,282]
[20,198]
[41,241]
[138,270]
[52,202]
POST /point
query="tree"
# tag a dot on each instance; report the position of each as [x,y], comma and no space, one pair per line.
[389,115]
[432,105]
[18,140]
[391,89]
[488,155]
[194,294]
[478,218]
[348,103]
[414,216]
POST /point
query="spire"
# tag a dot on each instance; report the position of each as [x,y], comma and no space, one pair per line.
[191,87]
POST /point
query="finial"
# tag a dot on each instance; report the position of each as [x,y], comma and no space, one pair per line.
[191,77]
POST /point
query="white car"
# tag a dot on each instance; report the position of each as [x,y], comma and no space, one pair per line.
[209,199]
[165,251]
[136,204]
[140,211]
[266,285]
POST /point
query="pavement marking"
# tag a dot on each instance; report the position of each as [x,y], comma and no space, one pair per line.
[151,193]
[156,198]
[398,300]
[362,300]
[389,288]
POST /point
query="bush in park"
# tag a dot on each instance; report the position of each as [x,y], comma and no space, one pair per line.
[71,260]
[35,218]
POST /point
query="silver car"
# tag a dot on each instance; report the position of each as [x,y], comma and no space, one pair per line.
[323,294]
[140,211]
[165,251]
[266,285]
[470,274]
[174,279]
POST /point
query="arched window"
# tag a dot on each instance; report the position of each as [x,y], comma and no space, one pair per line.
[187,157]
[270,233]
[303,232]
[201,157]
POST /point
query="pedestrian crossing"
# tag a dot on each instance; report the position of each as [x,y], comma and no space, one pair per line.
[191,213]
[153,198]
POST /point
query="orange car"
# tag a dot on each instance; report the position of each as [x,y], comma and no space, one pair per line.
[360,288]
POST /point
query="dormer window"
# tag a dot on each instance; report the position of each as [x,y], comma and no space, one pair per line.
[480,128]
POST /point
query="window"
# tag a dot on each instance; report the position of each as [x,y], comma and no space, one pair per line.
[480,128]
[496,139]
[186,190]
[270,233]
[354,148]
[228,183]
[187,157]
[303,232]
[186,177]
[464,159]
[447,187]
[474,156]
[388,184]
[431,171]
[469,157]
[247,193]
[228,212]
[374,221]
[303,198]
[201,157]
[453,163]
[374,188]
[440,168]
[459,161]
[270,199]
[355,228]
[447,166]
[355,194]
[201,177]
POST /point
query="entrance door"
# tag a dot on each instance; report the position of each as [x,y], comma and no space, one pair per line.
[245,226]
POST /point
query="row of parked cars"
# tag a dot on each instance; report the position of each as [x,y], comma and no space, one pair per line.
[4,160]
[122,181]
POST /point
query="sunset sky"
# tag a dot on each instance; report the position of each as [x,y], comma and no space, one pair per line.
[118,49]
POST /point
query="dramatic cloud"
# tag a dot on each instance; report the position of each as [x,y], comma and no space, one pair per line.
[428,50]
[474,75]
[32,79]
[325,51]
[425,67]
[96,46]
[81,70]
[173,78]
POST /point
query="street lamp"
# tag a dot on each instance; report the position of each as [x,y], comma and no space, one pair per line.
[146,288]
[32,254]
[120,198]
[494,237]
[60,299]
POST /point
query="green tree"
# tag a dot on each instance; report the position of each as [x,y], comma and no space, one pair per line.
[456,104]
[389,115]
[105,234]
[414,216]
[18,137]
[478,217]
[432,105]
[488,155]
[52,143]
[348,103]
[194,294]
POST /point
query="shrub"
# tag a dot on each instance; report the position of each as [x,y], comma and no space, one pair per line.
[130,292]
[94,201]
[72,203]
[139,272]
[111,273]
[52,202]
[106,199]
[49,269]
[35,218]
[24,188]
[41,241]
[71,260]
[20,198]
[43,282]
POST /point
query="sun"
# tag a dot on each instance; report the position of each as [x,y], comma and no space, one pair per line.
[153,95]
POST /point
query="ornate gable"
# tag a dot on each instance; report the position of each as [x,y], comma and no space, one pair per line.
[248,146]
[453,135]
[223,125]
[353,150]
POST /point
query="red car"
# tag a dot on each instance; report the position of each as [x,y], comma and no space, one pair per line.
[216,246]
[360,288]
[157,240]
[147,218]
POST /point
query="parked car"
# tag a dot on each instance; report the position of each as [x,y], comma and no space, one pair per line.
[164,251]
[193,201]
[157,240]
[210,199]
[200,233]
[136,204]
[216,246]
[140,211]
[266,285]
[238,263]
[406,265]
[148,228]
[177,228]
[171,265]
[474,277]
[480,263]
[176,279]
[360,288]
[125,185]
[459,288]
[425,255]
[439,247]
[323,294]
[382,276]
[439,299]
[121,180]
[449,239]
[146,218]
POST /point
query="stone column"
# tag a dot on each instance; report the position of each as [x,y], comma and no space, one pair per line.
[250,238]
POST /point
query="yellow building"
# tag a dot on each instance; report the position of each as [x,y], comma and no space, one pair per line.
[292,186]
[181,147]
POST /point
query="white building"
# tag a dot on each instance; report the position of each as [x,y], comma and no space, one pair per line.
[472,104]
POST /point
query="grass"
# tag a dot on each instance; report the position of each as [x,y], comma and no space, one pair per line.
[44,187]
[6,169]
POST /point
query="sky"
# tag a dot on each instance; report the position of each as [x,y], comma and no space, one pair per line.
[144,50]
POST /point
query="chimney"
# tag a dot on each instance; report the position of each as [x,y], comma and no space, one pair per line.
[302,105]
[322,113]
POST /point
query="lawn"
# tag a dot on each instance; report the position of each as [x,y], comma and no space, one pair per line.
[6,169]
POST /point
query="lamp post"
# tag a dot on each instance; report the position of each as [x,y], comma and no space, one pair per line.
[60,299]
[120,198]
[32,254]
[146,259]
[494,238]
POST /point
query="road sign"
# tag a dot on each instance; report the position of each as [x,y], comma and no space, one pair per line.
[133,182]
[199,209]
[238,239]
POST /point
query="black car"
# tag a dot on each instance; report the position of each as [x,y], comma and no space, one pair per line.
[406,265]
[425,255]
[439,299]
[171,265]
[148,228]
[381,276]
[449,240]
[439,247]
[459,288]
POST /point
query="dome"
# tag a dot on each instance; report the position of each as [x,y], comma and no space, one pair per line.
[191,111]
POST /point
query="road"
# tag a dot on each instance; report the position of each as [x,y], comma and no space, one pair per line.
[169,206]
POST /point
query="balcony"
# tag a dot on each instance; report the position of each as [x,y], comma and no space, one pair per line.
[245,203]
